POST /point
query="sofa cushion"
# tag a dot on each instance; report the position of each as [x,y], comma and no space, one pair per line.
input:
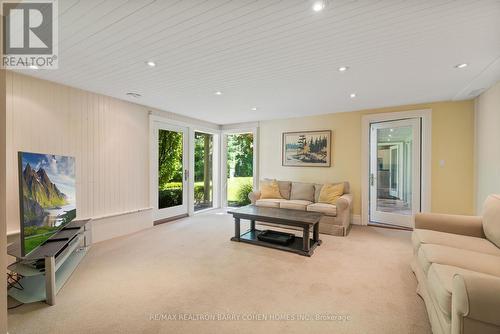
[302,191]
[327,209]
[491,219]
[465,259]
[317,191]
[330,193]
[480,245]
[439,282]
[295,204]
[285,188]
[269,202]
[269,189]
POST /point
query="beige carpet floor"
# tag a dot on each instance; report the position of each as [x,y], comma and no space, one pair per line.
[139,283]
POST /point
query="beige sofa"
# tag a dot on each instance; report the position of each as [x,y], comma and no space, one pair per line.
[457,265]
[304,196]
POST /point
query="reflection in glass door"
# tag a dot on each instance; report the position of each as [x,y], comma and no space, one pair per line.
[395,171]
[239,168]
[203,171]
[170,170]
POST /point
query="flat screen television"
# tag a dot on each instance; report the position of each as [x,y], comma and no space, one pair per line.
[47,198]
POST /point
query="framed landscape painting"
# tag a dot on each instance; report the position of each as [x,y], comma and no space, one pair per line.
[307,149]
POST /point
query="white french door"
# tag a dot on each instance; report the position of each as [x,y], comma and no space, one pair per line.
[169,170]
[395,171]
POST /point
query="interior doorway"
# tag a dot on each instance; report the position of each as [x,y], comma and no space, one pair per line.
[395,171]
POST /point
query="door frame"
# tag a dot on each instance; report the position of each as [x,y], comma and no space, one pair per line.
[215,168]
[426,137]
[393,218]
[153,174]
[192,128]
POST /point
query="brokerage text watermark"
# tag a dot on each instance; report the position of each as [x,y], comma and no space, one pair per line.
[249,317]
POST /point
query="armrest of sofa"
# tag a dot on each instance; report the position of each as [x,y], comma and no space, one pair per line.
[254,196]
[464,225]
[344,202]
[344,208]
[475,303]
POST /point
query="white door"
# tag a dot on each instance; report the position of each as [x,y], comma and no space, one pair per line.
[395,179]
[169,170]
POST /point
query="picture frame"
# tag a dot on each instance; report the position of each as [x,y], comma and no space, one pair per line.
[306,148]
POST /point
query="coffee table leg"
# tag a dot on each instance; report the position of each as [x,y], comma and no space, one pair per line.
[316,233]
[237,228]
[252,225]
[306,239]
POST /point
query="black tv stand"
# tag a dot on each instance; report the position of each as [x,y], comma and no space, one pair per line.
[57,239]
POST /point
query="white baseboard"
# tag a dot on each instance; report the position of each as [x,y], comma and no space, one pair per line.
[356,220]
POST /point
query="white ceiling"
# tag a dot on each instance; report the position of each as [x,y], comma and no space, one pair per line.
[279,56]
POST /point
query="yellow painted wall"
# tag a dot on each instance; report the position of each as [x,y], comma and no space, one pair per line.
[452,189]
[487,145]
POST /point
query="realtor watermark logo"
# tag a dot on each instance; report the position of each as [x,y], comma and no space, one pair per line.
[30,34]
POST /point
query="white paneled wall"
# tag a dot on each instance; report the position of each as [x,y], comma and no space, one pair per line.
[108,137]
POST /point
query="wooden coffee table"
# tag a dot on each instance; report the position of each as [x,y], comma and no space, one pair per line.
[286,217]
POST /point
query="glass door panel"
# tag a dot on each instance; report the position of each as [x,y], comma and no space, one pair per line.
[239,168]
[395,171]
[170,170]
[203,171]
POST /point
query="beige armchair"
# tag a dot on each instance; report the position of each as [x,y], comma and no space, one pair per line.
[457,265]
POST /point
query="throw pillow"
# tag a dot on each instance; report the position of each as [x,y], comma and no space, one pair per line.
[330,193]
[269,189]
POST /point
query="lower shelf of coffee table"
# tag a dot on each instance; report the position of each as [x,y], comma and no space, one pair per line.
[250,237]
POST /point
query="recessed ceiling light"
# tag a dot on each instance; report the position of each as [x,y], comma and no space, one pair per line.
[390,135]
[352,96]
[33,67]
[134,95]
[343,68]
[151,63]
[463,65]
[392,130]
[218,92]
[254,108]
[318,6]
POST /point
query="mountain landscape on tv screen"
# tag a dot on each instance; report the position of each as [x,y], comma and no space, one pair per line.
[39,193]
[46,206]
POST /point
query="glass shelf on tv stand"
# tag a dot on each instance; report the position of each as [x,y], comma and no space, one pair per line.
[53,246]
[61,255]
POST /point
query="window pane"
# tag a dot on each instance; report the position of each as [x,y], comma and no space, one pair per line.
[203,171]
[169,168]
[239,168]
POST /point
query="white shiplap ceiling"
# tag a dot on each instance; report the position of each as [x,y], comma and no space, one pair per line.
[278,56]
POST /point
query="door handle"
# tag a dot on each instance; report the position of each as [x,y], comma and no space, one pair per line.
[186,174]
[372,179]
